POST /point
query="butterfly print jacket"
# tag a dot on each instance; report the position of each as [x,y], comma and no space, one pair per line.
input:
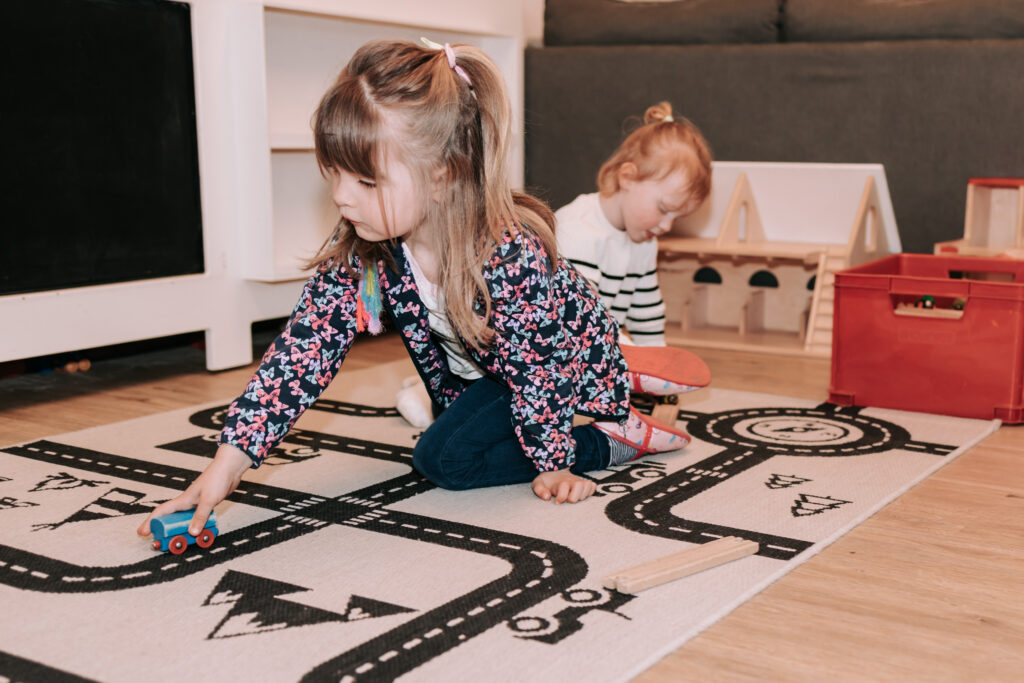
[554,345]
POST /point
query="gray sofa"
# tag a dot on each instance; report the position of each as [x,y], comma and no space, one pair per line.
[932,89]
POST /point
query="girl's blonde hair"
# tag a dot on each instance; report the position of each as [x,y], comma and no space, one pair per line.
[664,143]
[400,97]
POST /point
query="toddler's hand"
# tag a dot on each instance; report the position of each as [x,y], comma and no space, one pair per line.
[563,486]
[215,484]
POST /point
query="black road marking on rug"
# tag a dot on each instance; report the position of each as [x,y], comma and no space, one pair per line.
[205,446]
[156,474]
[623,478]
[798,431]
[825,430]
[929,448]
[18,670]
[846,410]
[539,569]
[750,437]
[354,409]
[649,510]
[30,571]
[299,440]
[211,418]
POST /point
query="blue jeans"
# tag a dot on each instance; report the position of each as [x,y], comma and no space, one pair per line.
[471,444]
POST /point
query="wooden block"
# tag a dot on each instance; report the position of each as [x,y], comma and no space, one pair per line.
[666,412]
[694,556]
[671,567]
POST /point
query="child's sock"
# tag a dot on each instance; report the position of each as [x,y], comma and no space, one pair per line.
[621,453]
[413,403]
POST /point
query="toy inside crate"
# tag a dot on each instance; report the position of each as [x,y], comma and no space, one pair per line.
[753,269]
[930,333]
[993,219]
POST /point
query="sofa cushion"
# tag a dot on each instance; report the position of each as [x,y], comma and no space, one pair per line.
[666,22]
[852,20]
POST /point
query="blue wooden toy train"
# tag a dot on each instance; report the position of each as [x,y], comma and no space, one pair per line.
[170,532]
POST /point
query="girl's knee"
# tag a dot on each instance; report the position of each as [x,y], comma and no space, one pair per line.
[430,461]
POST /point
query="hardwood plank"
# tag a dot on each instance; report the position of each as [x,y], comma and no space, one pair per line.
[927,589]
[43,405]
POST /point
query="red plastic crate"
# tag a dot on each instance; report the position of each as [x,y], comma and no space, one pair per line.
[888,353]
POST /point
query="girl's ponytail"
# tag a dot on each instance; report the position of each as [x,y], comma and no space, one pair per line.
[659,113]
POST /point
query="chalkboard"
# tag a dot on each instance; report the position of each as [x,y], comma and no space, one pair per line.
[100,176]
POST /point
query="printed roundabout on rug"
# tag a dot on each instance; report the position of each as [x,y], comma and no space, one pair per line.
[336,561]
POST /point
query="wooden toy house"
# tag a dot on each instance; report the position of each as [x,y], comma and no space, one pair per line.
[993,219]
[754,268]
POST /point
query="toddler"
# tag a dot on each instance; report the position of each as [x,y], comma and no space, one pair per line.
[661,172]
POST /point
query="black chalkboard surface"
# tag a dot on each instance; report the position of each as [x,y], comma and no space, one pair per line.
[99,176]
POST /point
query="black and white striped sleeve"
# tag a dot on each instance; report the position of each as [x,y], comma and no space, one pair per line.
[645,318]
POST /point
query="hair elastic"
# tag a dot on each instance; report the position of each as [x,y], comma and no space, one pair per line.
[450,54]
[668,119]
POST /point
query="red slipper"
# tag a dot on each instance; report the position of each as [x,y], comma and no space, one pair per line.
[645,434]
[664,370]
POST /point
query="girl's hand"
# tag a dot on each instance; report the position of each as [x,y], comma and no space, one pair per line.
[215,484]
[563,486]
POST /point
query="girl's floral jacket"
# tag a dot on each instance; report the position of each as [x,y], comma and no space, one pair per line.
[554,345]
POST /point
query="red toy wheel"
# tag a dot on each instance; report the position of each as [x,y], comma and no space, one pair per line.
[156,545]
[205,538]
[177,545]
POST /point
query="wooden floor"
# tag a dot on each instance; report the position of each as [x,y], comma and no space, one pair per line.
[929,589]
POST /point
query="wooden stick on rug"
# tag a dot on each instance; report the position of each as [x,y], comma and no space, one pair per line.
[677,565]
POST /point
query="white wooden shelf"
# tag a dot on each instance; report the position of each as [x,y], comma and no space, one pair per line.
[304,45]
[260,69]
[291,142]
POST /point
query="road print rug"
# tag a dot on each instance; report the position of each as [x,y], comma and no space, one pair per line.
[336,561]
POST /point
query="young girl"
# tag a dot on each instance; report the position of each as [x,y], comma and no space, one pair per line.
[510,341]
[660,172]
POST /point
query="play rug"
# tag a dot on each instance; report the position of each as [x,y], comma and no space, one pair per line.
[337,562]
